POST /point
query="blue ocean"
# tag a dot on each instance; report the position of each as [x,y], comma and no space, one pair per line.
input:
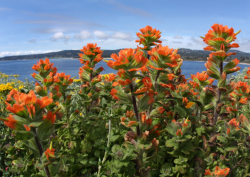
[71,67]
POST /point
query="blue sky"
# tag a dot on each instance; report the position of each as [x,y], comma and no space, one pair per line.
[31,26]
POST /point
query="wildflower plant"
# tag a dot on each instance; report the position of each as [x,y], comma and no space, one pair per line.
[146,119]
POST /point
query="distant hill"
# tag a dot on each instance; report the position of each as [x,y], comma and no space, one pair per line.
[186,54]
[60,54]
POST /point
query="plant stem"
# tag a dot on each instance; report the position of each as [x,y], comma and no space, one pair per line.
[40,148]
[218,101]
[246,173]
[67,114]
[155,86]
[68,121]
[106,152]
[135,110]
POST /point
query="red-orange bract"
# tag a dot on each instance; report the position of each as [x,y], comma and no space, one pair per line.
[148,37]
[49,152]
[11,123]
[127,59]
[28,101]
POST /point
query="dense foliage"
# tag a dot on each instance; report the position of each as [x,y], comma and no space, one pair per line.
[146,120]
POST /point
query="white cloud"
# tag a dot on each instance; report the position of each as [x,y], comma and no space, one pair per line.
[56,36]
[101,35]
[244,44]
[124,36]
[2,54]
[83,35]
[60,35]
[198,41]
[67,38]
[178,37]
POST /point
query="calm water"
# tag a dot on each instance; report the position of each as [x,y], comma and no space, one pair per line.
[71,67]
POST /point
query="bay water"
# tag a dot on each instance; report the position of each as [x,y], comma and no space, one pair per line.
[71,67]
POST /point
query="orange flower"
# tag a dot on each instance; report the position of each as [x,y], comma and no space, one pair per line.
[169,56]
[234,124]
[208,172]
[146,121]
[179,133]
[161,110]
[151,101]
[209,48]
[126,56]
[155,129]
[228,131]
[27,127]
[11,123]
[126,82]
[151,66]
[235,45]
[152,36]
[221,172]
[49,152]
[91,49]
[217,33]
[200,76]
[171,86]
[15,109]
[243,100]
[50,116]
[189,105]
[113,93]
[155,142]
[130,123]
[62,79]
[43,65]
[243,119]
[29,100]
[185,100]
[142,90]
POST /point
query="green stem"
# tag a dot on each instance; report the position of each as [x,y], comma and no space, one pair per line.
[135,110]
[219,96]
[68,121]
[40,148]
[106,152]
[246,173]
[155,86]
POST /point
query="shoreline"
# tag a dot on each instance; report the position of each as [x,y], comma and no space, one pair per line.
[106,58]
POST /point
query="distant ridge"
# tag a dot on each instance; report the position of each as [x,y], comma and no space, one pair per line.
[186,54]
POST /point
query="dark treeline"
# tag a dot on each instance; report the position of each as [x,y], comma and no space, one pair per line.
[186,54]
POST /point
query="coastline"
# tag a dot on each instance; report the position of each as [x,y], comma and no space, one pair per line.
[49,58]
[108,58]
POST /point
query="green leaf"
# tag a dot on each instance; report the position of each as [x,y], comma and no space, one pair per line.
[171,130]
[180,160]
[180,110]
[54,168]
[222,139]
[84,161]
[31,143]
[45,130]
[187,148]
[143,103]
[170,143]
[228,66]
[24,135]
[231,148]
[38,77]
[176,95]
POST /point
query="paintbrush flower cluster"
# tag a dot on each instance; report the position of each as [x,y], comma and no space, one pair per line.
[145,120]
